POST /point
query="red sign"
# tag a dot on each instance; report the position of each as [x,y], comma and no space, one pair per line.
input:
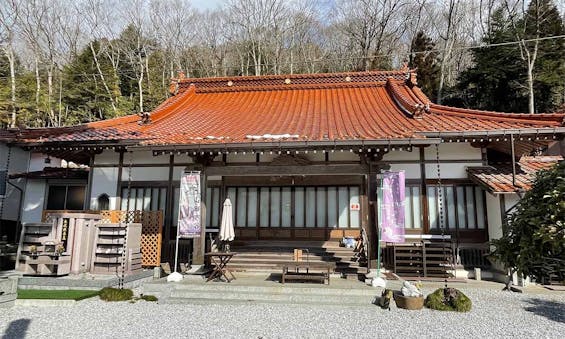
[355,207]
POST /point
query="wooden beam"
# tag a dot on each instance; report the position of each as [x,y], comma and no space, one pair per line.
[288,170]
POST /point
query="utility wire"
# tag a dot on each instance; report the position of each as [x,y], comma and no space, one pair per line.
[322,60]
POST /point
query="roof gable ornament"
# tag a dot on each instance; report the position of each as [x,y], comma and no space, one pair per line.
[144,118]
[412,78]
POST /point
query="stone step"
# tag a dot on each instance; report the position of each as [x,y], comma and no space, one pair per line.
[186,296]
[246,256]
[290,250]
[275,288]
[337,261]
[276,269]
[287,243]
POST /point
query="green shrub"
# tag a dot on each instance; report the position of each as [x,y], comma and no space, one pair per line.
[115,294]
[148,297]
[449,299]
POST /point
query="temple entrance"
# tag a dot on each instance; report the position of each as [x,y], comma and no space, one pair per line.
[318,212]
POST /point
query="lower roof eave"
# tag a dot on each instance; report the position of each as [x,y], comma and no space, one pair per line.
[289,145]
[554,131]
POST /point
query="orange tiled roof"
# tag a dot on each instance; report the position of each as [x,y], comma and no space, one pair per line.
[499,179]
[337,107]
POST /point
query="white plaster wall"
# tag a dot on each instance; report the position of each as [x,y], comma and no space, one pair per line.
[343,156]
[494,212]
[107,157]
[510,200]
[34,200]
[453,151]
[37,162]
[402,155]
[412,171]
[104,180]
[316,157]
[186,159]
[146,173]
[177,171]
[450,170]
[19,162]
[240,157]
[145,157]
[494,216]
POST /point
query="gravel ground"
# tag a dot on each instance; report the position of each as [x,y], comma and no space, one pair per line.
[495,314]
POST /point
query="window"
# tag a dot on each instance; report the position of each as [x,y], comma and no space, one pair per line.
[463,206]
[311,207]
[66,197]
[144,199]
[412,207]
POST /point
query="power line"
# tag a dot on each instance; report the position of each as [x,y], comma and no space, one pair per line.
[352,58]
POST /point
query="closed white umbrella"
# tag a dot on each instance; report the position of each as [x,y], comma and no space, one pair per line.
[227,232]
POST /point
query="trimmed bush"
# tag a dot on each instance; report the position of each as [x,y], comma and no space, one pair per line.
[448,299]
[115,294]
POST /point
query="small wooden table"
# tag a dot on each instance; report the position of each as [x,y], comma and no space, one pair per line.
[220,261]
[302,270]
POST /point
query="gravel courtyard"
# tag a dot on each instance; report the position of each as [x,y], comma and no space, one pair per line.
[533,314]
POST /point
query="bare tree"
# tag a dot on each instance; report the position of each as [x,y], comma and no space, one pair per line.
[526,25]
[256,22]
[8,18]
[371,24]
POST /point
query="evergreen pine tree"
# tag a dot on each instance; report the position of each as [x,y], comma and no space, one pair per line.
[542,18]
[423,57]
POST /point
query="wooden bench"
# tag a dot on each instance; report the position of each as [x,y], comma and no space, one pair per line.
[304,271]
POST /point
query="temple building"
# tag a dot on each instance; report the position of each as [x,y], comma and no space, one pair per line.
[299,157]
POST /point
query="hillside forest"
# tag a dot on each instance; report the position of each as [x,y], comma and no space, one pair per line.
[69,62]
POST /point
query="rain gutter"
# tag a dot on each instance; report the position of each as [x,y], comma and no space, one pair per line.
[496,133]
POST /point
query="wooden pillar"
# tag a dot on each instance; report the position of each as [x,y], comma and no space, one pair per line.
[375,167]
[424,192]
[119,181]
[168,220]
[199,244]
[88,201]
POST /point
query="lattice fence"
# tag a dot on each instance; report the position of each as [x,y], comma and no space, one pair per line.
[151,230]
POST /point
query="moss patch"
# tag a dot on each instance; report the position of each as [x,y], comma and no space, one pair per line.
[115,294]
[450,299]
[57,294]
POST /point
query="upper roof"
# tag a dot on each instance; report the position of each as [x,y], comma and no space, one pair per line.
[498,179]
[303,108]
[54,173]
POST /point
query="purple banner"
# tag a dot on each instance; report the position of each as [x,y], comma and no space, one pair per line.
[392,206]
[189,225]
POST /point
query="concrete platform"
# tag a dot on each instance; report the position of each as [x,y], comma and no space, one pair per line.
[266,288]
[8,291]
[83,282]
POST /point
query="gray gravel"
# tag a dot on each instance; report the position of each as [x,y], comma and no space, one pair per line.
[495,314]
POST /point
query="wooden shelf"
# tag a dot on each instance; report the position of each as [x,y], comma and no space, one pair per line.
[111,243]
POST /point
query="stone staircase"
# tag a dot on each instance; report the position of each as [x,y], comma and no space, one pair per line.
[265,256]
